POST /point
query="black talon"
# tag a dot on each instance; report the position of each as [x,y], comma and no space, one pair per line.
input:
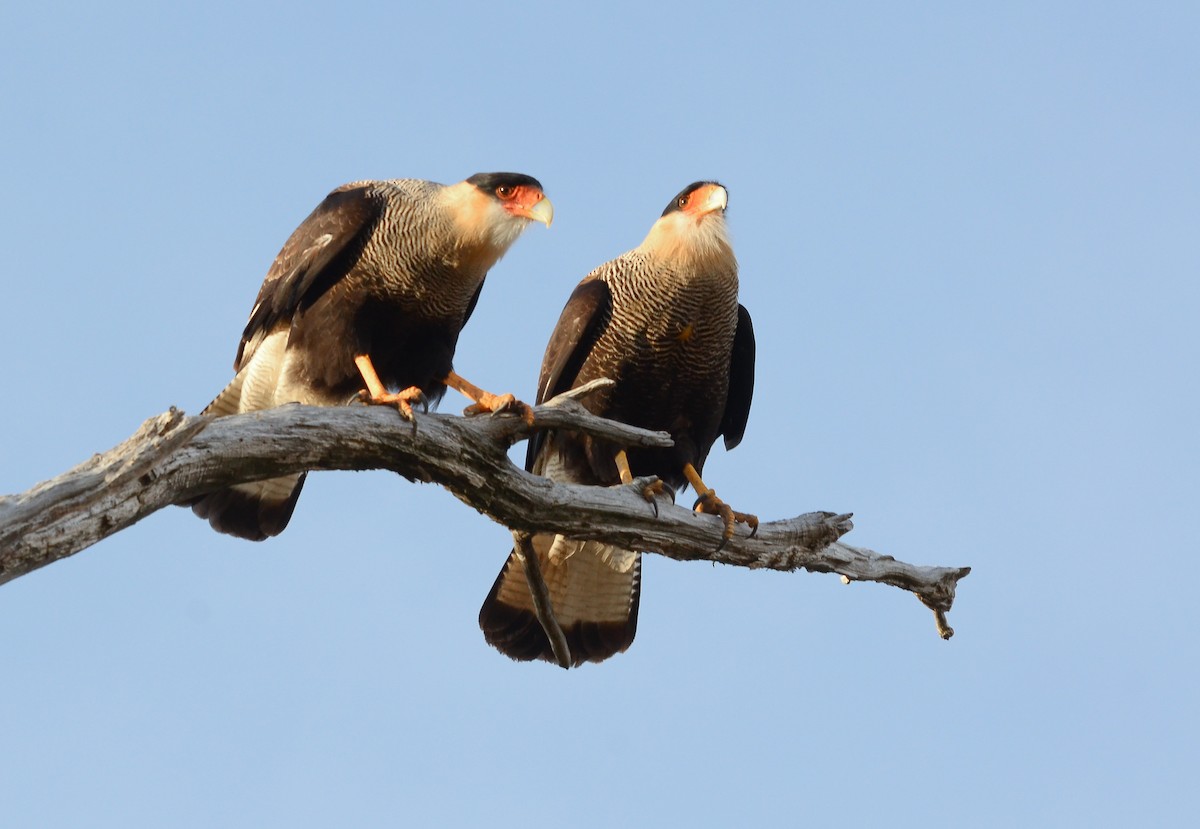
[647,487]
[410,417]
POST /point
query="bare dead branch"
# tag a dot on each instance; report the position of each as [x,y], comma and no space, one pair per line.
[540,592]
[173,457]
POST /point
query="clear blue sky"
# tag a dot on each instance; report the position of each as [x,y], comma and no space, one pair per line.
[969,242]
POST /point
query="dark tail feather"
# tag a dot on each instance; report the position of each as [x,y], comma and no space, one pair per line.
[510,624]
[252,511]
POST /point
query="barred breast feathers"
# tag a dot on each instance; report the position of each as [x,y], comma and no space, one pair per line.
[418,244]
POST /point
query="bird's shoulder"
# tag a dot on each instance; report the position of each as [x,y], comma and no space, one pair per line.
[619,270]
[311,260]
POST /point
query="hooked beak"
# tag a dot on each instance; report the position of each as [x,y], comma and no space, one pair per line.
[712,198]
[541,211]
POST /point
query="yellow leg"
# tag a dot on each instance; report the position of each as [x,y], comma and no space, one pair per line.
[707,501]
[695,480]
[623,467]
[366,368]
[377,394]
[649,491]
[486,401]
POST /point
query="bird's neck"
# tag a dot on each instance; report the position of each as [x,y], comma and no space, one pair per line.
[691,245]
[483,231]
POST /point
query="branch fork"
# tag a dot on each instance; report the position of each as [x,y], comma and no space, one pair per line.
[173,457]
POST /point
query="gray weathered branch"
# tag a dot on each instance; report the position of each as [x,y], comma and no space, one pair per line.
[540,593]
[173,457]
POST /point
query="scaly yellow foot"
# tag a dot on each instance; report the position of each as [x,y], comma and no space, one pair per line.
[486,402]
[377,395]
[708,502]
[649,491]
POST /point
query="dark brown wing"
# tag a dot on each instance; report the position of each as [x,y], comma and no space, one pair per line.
[584,318]
[741,381]
[471,305]
[317,254]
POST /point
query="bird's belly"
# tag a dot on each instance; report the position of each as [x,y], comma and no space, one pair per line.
[404,349]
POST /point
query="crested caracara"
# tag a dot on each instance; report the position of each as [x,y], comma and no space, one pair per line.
[663,321]
[366,300]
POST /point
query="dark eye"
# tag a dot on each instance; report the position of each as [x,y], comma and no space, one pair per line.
[506,192]
[683,200]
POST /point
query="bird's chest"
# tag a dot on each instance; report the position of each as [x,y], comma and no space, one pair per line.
[671,359]
[687,331]
[422,289]
[415,270]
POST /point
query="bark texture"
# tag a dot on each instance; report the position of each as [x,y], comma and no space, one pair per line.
[173,457]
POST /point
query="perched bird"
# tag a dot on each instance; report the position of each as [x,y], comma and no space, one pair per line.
[663,321]
[366,300]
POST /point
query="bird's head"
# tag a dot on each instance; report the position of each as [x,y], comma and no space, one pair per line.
[490,210]
[699,200]
[693,224]
[518,195]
